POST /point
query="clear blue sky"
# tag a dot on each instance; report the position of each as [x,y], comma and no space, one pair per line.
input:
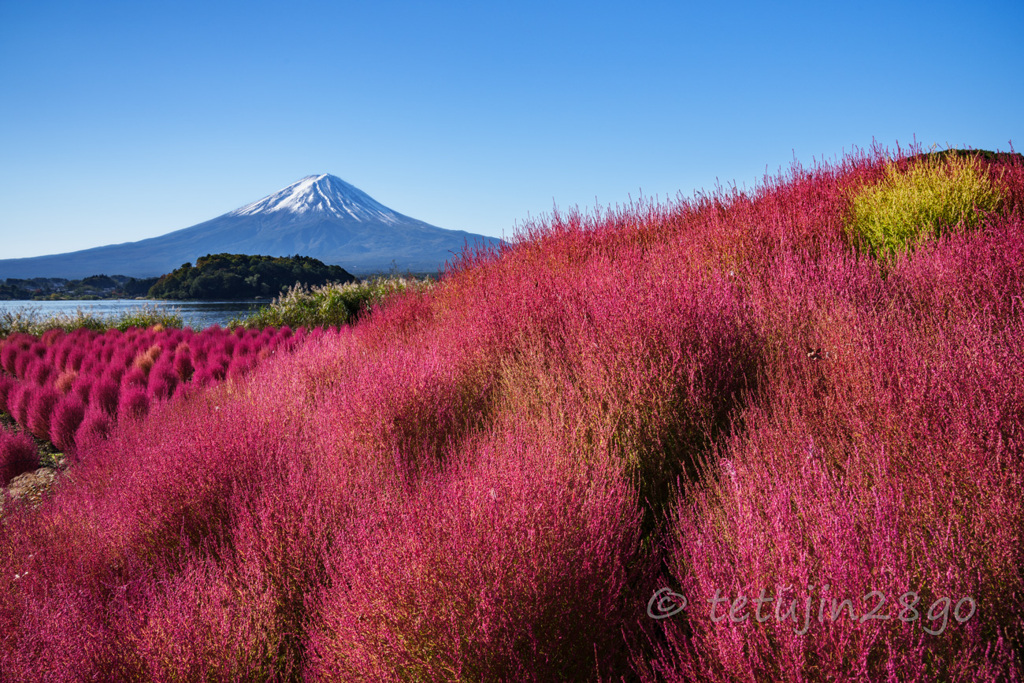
[125,120]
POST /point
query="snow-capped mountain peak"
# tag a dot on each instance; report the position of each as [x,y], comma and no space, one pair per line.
[319,216]
[325,194]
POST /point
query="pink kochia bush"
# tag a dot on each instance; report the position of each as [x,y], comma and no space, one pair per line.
[134,402]
[40,409]
[104,395]
[17,455]
[7,383]
[67,418]
[18,402]
[489,480]
[94,427]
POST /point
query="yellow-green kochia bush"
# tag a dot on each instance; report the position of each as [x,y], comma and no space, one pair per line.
[328,305]
[910,206]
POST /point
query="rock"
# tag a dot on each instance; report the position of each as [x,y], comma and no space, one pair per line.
[32,485]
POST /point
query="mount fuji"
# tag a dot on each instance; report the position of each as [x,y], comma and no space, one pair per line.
[320,216]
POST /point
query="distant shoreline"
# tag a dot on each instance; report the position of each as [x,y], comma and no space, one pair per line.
[143,299]
[70,313]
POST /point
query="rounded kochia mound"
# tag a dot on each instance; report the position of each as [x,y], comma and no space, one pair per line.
[922,198]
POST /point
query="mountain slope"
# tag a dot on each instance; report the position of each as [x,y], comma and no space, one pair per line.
[319,216]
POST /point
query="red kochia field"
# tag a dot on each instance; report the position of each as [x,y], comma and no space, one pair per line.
[809,431]
[67,388]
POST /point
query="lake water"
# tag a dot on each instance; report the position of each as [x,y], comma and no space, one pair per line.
[195,314]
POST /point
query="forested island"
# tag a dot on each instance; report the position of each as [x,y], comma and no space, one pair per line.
[241,276]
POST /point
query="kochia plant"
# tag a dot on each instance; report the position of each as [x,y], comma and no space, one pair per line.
[17,455]
[933,195]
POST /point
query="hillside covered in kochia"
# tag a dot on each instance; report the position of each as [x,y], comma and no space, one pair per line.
[799,408]
[242,276]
